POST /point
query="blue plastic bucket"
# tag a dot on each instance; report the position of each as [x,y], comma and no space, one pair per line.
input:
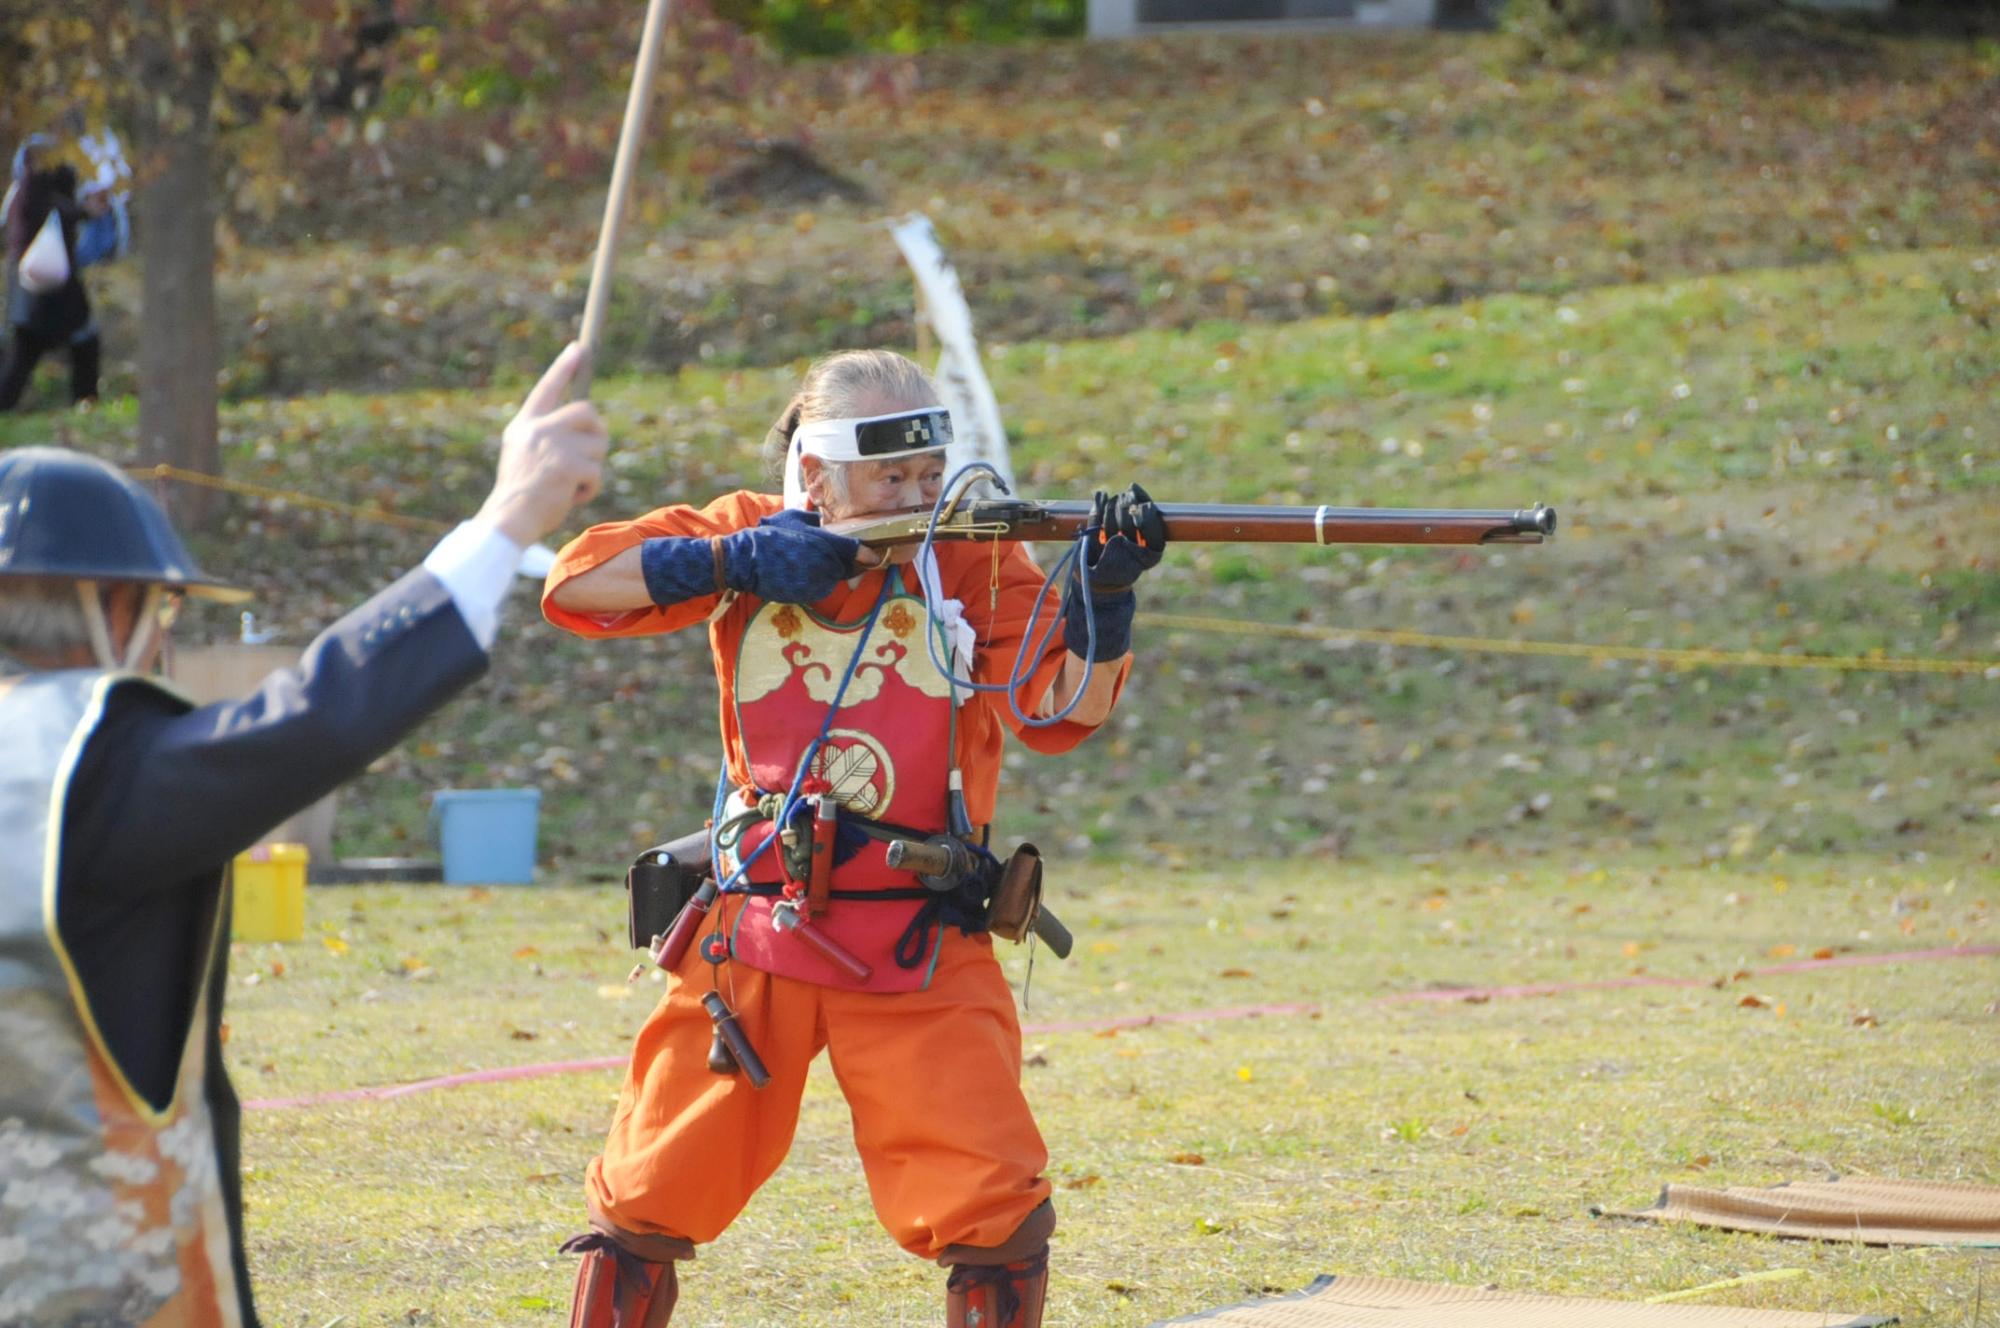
[487,836]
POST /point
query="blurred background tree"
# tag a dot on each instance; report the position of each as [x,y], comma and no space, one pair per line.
[218,99]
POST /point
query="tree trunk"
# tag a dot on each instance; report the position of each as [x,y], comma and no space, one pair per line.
[175,220]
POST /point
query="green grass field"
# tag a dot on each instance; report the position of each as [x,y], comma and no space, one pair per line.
[1196,1164]
[1797,461]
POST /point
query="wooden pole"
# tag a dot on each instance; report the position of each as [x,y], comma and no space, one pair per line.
[597,304]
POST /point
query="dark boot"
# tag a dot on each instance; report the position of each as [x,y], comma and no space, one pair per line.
[1006,1295]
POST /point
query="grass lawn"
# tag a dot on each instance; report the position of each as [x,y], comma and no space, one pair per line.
[1196,1164]
[1798,461]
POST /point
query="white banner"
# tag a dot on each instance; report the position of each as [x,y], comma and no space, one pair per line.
[977,432]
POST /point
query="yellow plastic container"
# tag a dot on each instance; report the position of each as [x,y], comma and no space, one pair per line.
[270,894]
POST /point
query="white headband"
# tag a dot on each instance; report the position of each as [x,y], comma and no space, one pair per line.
[864,438]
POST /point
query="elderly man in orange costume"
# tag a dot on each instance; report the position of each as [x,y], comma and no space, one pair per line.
[827,655]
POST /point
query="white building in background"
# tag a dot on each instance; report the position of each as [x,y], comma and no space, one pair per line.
[1125,18]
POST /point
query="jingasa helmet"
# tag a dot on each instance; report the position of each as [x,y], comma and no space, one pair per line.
[70,516]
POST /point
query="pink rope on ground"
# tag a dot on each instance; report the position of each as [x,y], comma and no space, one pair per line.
[1177,1017]
[1476,994]
[383,1092]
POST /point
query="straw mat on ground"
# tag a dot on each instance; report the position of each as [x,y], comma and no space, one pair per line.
[1382,1302]
[1867,1210]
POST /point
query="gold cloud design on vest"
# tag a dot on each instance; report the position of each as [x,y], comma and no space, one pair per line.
[778,645]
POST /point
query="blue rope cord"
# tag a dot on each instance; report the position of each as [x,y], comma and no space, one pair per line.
[791,802]
[1029,656]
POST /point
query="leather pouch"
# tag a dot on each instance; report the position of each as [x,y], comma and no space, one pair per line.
[1018,895]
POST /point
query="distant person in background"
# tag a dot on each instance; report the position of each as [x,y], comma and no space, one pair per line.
[59,319]
[121,805]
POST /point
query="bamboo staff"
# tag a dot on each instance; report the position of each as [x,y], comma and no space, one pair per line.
[597,304]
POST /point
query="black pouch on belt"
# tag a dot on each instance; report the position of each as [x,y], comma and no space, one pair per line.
[1017,895]
[658,885]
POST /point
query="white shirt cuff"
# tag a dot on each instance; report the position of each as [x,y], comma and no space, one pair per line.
[476,564]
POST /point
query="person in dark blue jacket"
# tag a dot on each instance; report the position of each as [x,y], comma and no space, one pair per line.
[121,804]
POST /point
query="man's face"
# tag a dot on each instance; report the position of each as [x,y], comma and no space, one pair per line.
[893,485]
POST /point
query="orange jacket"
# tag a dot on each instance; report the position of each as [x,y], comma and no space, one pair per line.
[966,572]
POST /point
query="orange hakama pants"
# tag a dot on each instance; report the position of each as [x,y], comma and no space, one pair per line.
[932,1079]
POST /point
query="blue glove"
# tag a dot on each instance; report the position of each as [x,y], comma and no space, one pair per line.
[1126,535]
[786,558]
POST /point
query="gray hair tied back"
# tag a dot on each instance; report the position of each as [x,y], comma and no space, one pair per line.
[779,440]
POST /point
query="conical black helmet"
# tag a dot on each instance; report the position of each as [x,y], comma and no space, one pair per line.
[64,514]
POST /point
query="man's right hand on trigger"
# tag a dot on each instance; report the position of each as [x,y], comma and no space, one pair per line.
[789,558]
[551,457]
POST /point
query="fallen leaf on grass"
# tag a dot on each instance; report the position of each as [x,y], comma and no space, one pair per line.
[1083,1182]
[1208,1226]
[1120,1289]
[1865,1019]
[526,952]
[1235,973]
[334,943]
[1188,1160]
[1782,951]
[1824,952]
[523,1034]
[1756,1002]
[1701,1163]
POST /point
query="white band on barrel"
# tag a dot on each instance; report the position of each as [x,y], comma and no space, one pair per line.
[1319,523]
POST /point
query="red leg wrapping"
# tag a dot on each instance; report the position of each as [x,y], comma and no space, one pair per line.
[617,1289]
[1007,1295]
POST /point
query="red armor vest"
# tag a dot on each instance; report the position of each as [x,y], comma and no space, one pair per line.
[886,757]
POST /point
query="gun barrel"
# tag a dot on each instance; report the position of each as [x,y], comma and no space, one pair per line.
[1220,523]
